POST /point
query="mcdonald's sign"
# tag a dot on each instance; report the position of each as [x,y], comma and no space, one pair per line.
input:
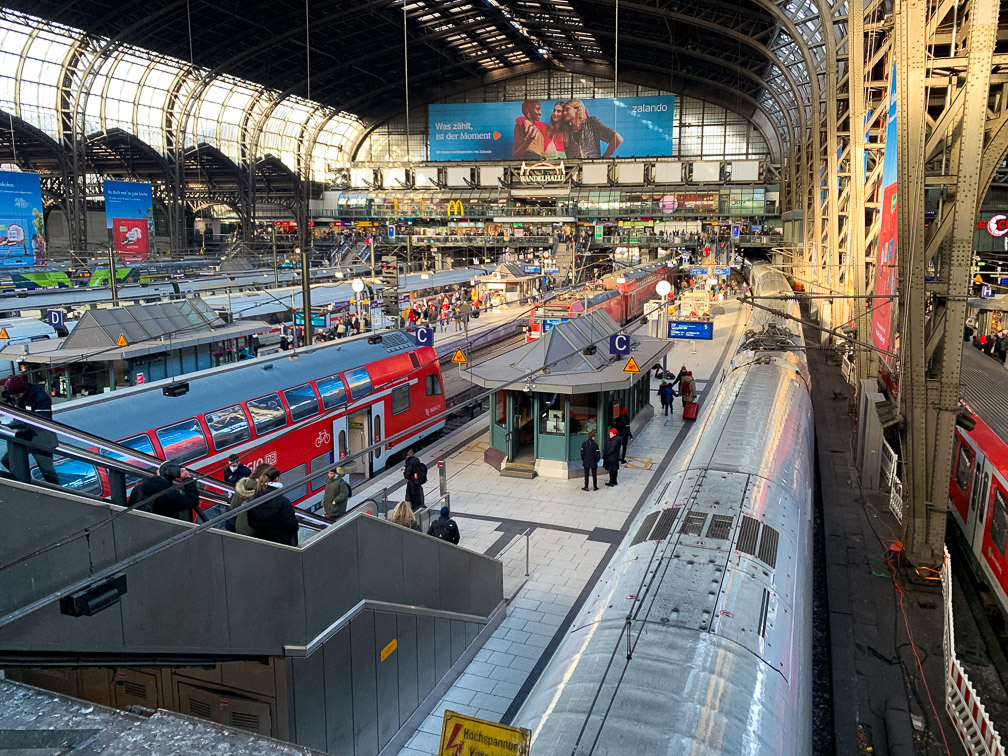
[455,207]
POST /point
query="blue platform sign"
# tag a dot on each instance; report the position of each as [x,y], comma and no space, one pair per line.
[530,268]
[735,230]
[619,343]
[722,271]
[55,318]
[986,291]
[691,329]
[1003,281]
[424,337]
[551,269]
[391,232]
[548,323]
[694,271]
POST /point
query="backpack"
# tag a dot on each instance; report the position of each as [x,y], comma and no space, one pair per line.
[443,529]
[421,472]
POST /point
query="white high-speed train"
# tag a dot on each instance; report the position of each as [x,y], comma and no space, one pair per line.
[698,637]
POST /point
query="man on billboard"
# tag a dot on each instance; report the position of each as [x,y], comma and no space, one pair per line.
[586,133]
[529,133]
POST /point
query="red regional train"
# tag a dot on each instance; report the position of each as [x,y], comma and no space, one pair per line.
[978,491]
[299,415]
[621,295]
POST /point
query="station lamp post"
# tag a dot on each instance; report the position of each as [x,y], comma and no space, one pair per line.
[663,288]
[358,286]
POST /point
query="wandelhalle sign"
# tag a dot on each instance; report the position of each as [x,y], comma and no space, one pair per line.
[549,130]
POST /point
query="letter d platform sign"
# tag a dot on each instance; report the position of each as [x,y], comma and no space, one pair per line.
[424,337]
[619,343]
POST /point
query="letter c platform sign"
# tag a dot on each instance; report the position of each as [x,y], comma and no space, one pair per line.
[424,337]
[619,343]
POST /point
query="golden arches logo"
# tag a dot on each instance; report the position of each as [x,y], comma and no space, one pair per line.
[455,207]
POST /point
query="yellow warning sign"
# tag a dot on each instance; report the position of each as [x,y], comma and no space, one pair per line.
[3,333]
[467,736]
[392,646]
[977,279]
[122,341]
[459,357]
[631,366]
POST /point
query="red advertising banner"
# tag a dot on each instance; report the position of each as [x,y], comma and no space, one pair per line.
[130,238]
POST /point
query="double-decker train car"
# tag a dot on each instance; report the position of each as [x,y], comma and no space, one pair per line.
[299,415]
[621,295]
[978,490]
[697,639]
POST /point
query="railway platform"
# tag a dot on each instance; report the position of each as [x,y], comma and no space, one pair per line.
[553,538]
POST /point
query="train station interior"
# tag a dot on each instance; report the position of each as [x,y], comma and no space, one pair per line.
[409,377]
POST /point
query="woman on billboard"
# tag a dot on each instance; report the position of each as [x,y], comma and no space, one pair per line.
[556,134]
[587,133]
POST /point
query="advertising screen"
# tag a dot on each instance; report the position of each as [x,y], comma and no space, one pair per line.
[886,270]
[22,225]
[536,130]
[129,215]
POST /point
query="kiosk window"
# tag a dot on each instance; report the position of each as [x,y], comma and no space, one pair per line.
[302,402]
[332,390]
[228,426]
[267,413]
[400,399]
[553,415]
[183,442]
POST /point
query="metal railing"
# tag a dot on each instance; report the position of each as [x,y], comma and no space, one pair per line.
[972,723]
[94,467]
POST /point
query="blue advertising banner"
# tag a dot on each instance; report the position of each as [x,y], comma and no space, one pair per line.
[536,130]
[22,225]
[129,217]
[691,329]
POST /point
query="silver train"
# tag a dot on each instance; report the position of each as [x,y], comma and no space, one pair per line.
[698,637]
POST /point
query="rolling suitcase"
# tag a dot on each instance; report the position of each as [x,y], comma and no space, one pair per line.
[689,410]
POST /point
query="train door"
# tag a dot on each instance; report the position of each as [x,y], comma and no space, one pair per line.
[357,439]
[993,546]
[378,435]
[977,509]
[341,442]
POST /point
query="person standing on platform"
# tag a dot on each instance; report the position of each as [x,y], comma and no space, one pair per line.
[623,426]
[235,470]
[590,457]
[678,379]
[337,493]
[611,456]
[666,393]
[415,473]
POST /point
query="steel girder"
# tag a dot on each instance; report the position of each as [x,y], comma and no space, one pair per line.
[934,266]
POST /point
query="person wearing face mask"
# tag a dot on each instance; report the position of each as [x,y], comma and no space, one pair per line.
[274,520]
[235,471]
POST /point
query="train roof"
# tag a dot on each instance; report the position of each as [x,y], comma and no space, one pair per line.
[126,412]
[982,385]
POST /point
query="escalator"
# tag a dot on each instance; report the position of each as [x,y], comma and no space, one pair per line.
[110,601]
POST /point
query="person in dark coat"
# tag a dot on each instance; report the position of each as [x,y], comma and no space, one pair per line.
[274,520]
[611,456]
[235,470]
[444,527]
[30,397]
[666,393]
[590,456]
[170,493]
[336,495]
[622,424]
[683,372]
[415,473]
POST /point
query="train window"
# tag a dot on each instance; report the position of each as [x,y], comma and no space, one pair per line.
[400,399]
[267,413]
[74,475]
[963,467]
[999,522]
[359,381]
[291,491]
[433,385]
[183,442]
[302,402]
[228,426]
[142,444]
[332,390]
